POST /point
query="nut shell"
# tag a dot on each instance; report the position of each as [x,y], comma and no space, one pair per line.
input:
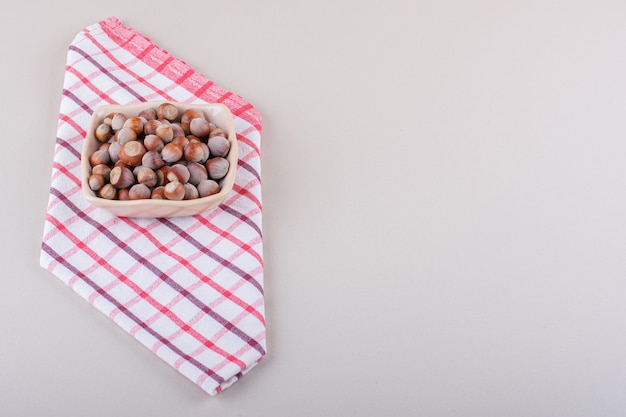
[125,135]
[103,132]
[181,141]
[196,151]
[152,160]
[197,172]
[172,153]
[188,115]
[218,146]
[121,177]
[117,121]
[153,143]
[174,190]
[103,170]
[122,194]
[165,132]
[199,127]
[114,151]
[158,193]
[208,187]
[177,129]
[132,152]
[146,176]
[148,114]
[217,167]
[134,123]
[216,131]
[167,111]
[108,192]
[178,172]
[139,192]
[150,127]
[101,156]
[191,192]
[96,181]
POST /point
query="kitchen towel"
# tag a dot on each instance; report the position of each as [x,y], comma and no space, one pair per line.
[190,289]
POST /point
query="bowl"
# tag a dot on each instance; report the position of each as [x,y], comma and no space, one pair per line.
[215,113]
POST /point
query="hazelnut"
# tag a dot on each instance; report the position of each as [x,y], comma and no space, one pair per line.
[134,123]
[107,191]
[105,146]
[152,159]
[122,194]
[199,127]
[121,177]
[120,163]
[103,132]
[139,192]
[100,156]
[165,132]
[149,128]
[171,152]
[191,192]
[178,172]
[182,141]
[216,131]
[167,111]
[148,114]
[162,175]
[125,135]
[96,181]
[114,151]
[158,193]
[185,127]
[177,129]
[190,114]
[218,146]
[108,118]
[153,143]
[196,152]
[132,152]
[174,190]
[208,187]
[102,169]
[146,176]
[217,167]
[117,121]
[197,172]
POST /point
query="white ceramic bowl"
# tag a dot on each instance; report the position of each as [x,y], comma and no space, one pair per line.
[218,114]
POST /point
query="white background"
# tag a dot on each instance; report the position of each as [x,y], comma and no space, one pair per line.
[444,209]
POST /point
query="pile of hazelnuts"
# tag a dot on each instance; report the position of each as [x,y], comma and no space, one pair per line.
[161,153]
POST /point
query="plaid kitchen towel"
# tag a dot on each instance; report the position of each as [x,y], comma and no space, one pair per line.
[188,288]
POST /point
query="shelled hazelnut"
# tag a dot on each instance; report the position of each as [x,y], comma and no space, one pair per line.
[158,153]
